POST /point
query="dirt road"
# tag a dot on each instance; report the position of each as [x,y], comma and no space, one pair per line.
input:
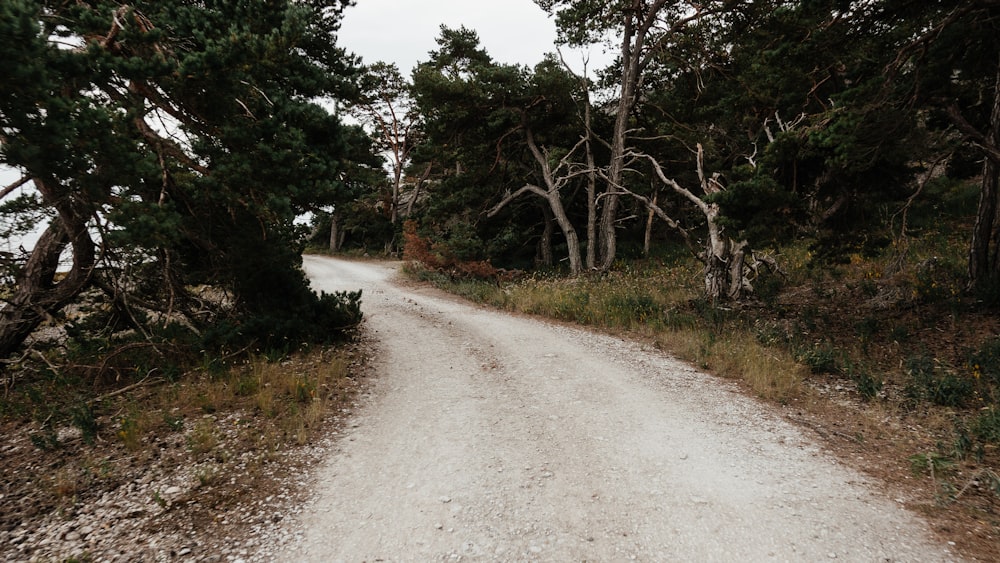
[491,437]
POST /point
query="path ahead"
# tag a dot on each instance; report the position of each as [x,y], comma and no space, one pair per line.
[491,437]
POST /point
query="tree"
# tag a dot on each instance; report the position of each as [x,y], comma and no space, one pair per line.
[547,105]
[386,107]
[351,214]
[644,29]
[950,66]
[490,118]
[170,144]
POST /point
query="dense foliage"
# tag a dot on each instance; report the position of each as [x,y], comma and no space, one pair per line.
[167,148]
[739,126]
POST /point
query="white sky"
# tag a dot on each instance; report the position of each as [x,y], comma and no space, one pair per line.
[404,31]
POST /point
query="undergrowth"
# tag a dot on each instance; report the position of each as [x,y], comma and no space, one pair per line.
[88,439]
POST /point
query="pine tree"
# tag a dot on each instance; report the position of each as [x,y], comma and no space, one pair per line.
[169,144]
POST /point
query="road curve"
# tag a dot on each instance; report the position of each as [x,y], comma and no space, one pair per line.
[492,437]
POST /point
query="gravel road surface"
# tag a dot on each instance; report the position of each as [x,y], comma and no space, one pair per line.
[492,437]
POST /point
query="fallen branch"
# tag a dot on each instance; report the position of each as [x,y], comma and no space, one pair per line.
[127,388]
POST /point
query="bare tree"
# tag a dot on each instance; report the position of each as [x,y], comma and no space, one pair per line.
[554,178]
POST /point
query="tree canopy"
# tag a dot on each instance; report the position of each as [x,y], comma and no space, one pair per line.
[171,145]
[168,146]
[716,118]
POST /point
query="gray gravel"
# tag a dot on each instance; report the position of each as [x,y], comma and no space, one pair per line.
[493,437]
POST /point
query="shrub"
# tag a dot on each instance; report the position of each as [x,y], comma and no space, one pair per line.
[441,257]
[932,382]
[985,362]
[821,358]
[868,385]
[987,426]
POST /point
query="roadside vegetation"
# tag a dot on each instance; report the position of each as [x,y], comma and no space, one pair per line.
[885,356]
[156,329]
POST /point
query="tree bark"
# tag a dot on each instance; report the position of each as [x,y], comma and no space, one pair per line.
[37,296]
[545,257]
[984,249]
[417,188]
[591,187]
[336,236]
[647,240]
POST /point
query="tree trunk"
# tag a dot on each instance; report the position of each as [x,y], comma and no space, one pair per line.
[336,236]
[637,23]
[397,179]
[984,250]
[591,189]
[647,240]
[37,297]
[739,286]
[572,240]
[544,257]
[416,189]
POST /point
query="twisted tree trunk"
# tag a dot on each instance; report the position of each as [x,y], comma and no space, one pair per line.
[37,296]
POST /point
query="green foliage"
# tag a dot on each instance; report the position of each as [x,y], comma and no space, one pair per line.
[932,463]
[936,281]
[868,384]
[83,417]
[212,199]
[310,318]
[930,381]
[985,363]
[45,439]
[986,427]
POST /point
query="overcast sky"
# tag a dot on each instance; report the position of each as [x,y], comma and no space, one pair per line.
[404,31]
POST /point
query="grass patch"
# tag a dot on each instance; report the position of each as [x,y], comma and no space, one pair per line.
[219,426]
[656,302]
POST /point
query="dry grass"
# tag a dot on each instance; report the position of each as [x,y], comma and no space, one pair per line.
[773,374]
[654,303]
[227,425]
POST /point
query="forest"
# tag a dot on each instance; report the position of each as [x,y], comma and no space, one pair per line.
[823,175]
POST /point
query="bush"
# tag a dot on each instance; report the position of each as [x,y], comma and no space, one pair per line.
[985,362]
[819,359]
[442,257]
[310,319]
[937,384]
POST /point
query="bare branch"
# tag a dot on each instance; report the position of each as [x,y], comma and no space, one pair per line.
[656,209]
[971,133]
[528,188]
[690,196]
[246,109]
[7,190]
[167,146]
